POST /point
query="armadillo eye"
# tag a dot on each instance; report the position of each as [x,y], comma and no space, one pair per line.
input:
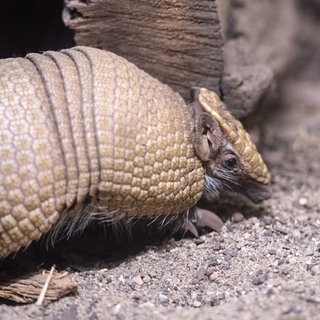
[231,163]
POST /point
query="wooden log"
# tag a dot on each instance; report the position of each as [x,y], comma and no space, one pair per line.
[178,42]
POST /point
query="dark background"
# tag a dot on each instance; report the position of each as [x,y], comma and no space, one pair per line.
[31,26]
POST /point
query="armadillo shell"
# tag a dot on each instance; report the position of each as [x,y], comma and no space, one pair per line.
[85,124]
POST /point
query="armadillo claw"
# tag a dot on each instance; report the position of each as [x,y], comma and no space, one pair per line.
[189,226]
[208,219]
[203,218]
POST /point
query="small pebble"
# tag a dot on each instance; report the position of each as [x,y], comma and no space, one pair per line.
[303,201]
[267,219]
[315,270]
[233,252]
[254,244]
[153,273]
[227,257]
[200,273]
[290,309]
[163,298]
[116,309]
[293,260]
[136,296]
[138,280]
[209,271]
[198,241]
[296,234]
[215,261]
[259,278]
[216,246]
[237,217]
[267,233]
[214,302]
[146,279]
[253,258]
[227,266]
[197,304]
[281,228]
[194,295]
[269,291]
[317,253]
[285,270]
[213,276]
[220,295]
[272,251]
[122,280]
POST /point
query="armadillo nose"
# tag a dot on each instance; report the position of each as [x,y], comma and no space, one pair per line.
[267,192]
[256,191]
[263,192]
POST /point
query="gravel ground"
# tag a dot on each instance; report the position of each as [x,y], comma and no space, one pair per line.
[264,264]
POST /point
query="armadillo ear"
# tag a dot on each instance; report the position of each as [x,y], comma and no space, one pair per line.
[207,136]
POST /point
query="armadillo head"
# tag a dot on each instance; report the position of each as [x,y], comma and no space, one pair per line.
[229,156]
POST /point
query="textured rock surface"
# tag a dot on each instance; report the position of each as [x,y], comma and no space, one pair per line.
[259,47]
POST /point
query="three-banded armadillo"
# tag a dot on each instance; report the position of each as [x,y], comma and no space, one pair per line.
[83,130]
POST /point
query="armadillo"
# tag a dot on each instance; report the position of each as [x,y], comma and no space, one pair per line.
[84,132]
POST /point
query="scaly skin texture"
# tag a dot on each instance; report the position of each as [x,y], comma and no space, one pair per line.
[86,123]
[84,132]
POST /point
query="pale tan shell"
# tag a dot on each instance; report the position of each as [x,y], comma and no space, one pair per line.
[86,125]
[236,135]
